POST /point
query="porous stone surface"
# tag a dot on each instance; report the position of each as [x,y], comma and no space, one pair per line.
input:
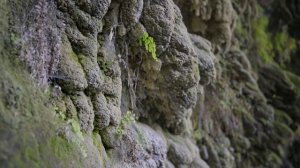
[79,87]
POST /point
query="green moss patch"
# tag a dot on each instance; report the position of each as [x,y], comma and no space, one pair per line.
[28,124]
[263,39]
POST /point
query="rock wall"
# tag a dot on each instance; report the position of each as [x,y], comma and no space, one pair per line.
[150,83]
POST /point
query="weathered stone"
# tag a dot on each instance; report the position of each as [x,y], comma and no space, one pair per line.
[84,110]
[186,96]
[70,74]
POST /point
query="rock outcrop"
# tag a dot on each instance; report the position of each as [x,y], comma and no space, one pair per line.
[149,83]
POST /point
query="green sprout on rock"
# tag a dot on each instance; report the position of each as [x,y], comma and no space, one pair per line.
[149,44]
[59,112]
[128,119]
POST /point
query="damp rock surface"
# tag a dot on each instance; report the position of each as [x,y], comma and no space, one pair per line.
[149,83]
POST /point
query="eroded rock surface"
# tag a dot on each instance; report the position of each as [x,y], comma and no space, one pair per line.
[210,99]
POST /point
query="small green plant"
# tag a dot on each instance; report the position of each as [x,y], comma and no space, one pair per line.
[284,45]
[262,39]
[106,66]
[149,44]
[60,114]
[14,38]
[129,118]
[76,129]
[284,42]
[197,134]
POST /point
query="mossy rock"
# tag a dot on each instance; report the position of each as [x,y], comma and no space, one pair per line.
[28,125]
[282,117]
[294,80]
[283,130]
[28,122]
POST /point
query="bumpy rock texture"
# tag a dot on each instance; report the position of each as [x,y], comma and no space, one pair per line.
[223,93]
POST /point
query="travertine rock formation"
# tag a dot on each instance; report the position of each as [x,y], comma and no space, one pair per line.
[79,87]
